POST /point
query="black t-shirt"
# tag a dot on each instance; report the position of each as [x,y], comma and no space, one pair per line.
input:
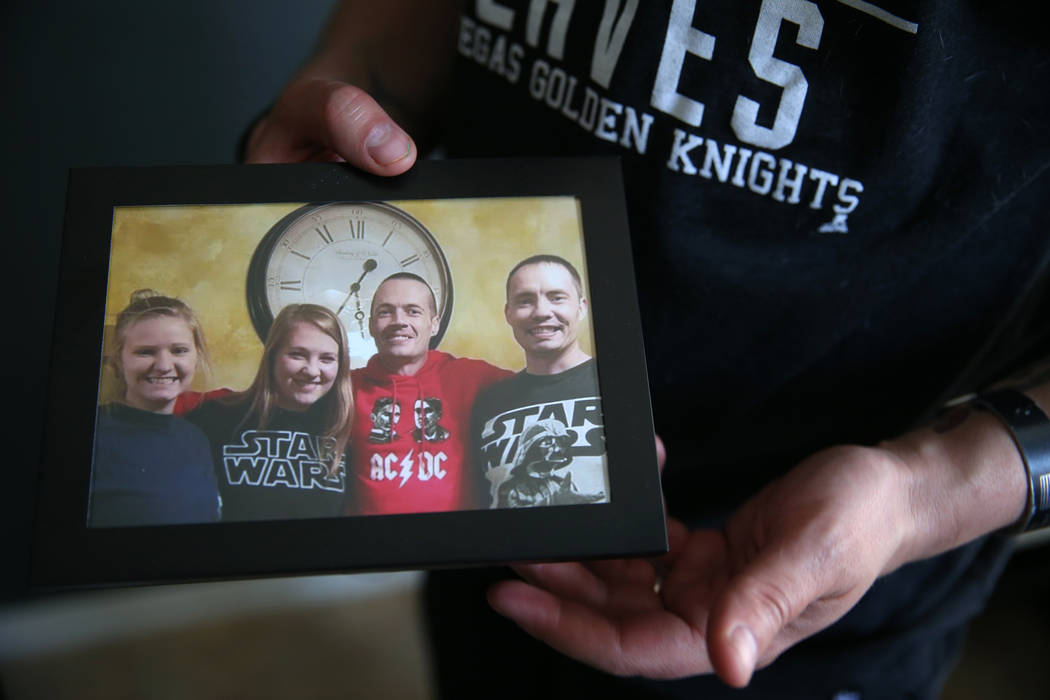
[822,270]
[277,473]
[838,213]
[510,420]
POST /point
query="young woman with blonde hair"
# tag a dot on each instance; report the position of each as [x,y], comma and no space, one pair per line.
[279,445]
[151,467]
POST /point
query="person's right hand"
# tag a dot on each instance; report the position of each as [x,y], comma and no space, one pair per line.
[325,120]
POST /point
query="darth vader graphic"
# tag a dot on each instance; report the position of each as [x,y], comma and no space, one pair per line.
[540,475]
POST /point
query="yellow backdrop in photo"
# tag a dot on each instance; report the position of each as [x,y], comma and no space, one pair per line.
[201,254]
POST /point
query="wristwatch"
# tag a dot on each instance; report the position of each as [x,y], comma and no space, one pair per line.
[1030,429]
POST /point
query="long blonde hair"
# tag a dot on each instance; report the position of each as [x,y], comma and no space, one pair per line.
[338,403]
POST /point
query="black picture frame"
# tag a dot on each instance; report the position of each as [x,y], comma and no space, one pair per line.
[66,552]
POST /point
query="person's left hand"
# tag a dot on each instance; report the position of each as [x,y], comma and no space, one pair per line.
[790,562]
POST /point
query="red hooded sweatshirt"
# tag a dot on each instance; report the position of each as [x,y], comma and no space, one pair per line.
[410,445]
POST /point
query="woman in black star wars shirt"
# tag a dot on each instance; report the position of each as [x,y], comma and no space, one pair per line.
[279,446]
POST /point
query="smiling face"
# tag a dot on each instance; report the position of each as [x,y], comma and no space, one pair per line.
[304,367]
[402,323]
[157,362]
[544,309]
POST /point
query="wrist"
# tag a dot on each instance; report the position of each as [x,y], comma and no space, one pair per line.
[963,478]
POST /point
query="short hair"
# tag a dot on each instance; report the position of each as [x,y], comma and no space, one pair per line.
[146,304]
[551,260]
[414,278]
[382,404]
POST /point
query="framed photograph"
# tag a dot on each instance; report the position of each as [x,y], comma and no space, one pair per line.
[292,369]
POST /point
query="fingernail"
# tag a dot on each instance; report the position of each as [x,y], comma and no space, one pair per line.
[744,644]
[387,144]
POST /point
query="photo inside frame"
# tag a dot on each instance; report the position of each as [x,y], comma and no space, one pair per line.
[429,446]
[470,465]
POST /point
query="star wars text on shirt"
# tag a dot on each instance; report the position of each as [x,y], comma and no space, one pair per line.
[729,145]
[546,454]
[282,459]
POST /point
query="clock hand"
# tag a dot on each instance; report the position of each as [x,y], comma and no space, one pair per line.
[368,266]
[360,316]
[353,290]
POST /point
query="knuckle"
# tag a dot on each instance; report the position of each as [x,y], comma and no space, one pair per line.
[773,604]
[347,105]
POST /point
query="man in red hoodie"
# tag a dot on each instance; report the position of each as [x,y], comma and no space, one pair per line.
[396,467]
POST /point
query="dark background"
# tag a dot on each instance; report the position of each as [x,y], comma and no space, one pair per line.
[111,84]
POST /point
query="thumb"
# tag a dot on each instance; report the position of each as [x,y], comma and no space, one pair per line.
[315,117]
[749,617]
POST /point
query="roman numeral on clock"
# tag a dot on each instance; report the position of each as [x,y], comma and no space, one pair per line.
[292,285]
[357,229]
[409,260]
[323,233]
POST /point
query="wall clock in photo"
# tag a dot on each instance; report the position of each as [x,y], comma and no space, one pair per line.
[335,255]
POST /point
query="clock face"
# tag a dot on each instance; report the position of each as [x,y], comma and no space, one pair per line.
[335,255]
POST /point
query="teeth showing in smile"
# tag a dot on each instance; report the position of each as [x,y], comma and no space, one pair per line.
[162,380]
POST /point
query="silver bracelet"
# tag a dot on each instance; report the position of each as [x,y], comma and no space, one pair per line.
[1030,429]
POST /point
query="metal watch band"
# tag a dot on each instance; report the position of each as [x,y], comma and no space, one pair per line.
[1030,429]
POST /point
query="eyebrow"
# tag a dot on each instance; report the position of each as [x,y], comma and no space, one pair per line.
[303,348]
[156,346]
